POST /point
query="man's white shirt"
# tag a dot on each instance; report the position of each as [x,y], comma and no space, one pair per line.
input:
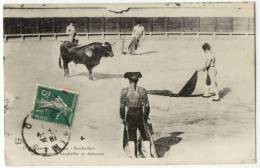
[70,30]
[138,31]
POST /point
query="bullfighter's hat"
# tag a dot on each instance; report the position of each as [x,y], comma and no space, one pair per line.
[133,75]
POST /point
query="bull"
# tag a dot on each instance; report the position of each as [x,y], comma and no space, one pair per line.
[89,55]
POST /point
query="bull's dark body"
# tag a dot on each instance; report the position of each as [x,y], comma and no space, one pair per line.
[70,52]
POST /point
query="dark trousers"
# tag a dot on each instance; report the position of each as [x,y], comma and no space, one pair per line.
[134,122]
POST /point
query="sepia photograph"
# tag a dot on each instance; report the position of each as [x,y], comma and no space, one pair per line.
[129,83]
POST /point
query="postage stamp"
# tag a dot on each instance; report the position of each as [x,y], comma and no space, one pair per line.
[55,105]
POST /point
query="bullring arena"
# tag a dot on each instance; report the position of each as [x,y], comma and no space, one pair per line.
[187,130]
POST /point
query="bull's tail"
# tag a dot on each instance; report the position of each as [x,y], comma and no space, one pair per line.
[60,62]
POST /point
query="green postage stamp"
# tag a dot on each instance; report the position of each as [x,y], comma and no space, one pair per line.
[55,105]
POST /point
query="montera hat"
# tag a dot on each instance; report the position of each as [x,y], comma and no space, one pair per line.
[133,75]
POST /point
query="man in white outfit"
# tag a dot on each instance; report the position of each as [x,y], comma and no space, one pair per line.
[211,72]
[137,34]
[71,31]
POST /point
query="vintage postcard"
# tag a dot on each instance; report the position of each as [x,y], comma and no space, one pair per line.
[129,83]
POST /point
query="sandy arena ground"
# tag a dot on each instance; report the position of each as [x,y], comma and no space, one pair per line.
[187,130]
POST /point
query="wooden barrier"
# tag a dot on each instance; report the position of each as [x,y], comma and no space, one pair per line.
[149,34]
[41,27]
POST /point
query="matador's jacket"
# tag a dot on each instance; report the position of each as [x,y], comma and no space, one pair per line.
[134,99]
[134,110]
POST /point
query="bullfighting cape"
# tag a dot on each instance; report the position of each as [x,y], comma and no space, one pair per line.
[138,142]
[189,87]
[186,90]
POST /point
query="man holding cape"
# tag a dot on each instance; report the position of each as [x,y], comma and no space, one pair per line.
[137,34]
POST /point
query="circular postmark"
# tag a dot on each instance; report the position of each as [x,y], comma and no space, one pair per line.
[44,138]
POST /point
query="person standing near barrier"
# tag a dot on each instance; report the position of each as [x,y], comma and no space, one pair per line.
[134,113]
[211,72]
[71,31]
[137,34]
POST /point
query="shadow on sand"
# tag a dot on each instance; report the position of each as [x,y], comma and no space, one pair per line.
[164,144]
[147,52]
[170,93]
[142,53]
[224,92]
[98,75]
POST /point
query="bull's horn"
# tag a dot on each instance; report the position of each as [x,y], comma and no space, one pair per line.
[61,42]
[114,43]
[104,44]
